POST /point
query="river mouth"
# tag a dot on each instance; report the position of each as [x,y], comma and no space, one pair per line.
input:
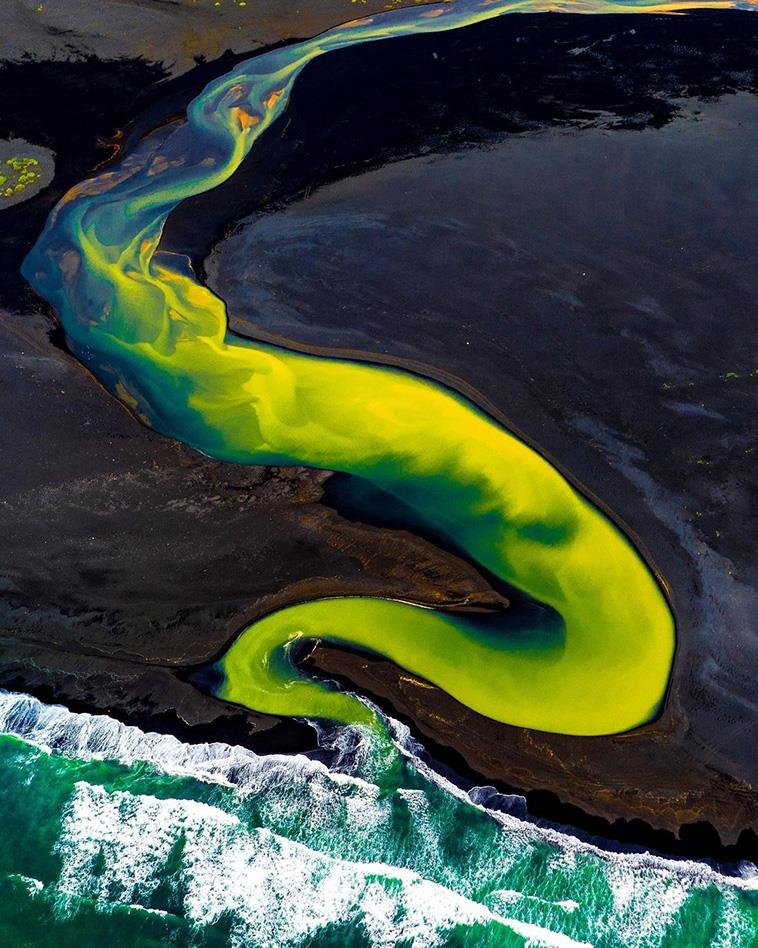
[605,472]
[404,258]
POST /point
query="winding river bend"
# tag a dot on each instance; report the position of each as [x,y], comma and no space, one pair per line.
[590,649]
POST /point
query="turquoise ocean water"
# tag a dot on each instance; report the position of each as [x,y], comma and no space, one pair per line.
[113,833]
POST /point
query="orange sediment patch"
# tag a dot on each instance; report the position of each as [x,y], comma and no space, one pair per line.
[161,163]
[91,186]
[246,119]
[273,98]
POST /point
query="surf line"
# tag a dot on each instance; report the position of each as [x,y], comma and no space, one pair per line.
[590,655]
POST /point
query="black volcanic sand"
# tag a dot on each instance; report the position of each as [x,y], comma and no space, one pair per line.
[569,234]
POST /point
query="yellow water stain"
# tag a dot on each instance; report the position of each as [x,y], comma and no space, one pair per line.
[126,396]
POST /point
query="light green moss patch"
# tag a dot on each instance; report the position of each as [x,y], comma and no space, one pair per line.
[25,169]
[17,174]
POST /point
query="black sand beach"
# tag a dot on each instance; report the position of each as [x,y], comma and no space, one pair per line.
[581,259]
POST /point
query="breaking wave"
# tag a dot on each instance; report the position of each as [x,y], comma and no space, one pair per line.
[116,832]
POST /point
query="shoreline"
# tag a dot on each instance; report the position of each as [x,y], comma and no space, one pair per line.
[36,597]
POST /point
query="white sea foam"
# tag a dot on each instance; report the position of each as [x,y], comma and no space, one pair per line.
[568,847]
[330,796]
[275,891]
[97,736]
